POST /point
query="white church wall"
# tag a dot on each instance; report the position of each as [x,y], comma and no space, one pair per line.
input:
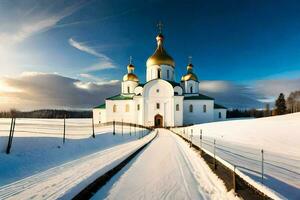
[138,90]
[198,115]
[99,115]
[187,85]
[178,114]
[128,86]
[120,113]
[218,116]
[158,92]
[139,106]
[167,72]
[178,90]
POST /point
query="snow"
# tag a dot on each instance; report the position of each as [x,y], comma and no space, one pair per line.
[34,152]
[67,180]
[240,142]
[166,169]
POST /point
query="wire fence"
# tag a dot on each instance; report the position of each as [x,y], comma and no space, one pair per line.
[64,130]
[267,168]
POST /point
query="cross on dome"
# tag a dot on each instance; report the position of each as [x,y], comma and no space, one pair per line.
[160,26]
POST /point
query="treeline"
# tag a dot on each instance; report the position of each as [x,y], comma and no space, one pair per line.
[282,106]
[237,113]
[52,114]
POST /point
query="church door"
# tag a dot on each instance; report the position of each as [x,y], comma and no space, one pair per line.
[158,120]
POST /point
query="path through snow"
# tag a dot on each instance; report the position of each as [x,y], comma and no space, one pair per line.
[166,169]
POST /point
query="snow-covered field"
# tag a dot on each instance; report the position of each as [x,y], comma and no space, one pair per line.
[166,169]
[37,144]
[240,143]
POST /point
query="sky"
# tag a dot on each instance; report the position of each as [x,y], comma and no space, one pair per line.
[72,54]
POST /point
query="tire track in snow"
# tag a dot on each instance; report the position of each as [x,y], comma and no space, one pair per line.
[167,169]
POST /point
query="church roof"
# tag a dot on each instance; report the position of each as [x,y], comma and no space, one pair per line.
[171,82]
[120,97]
[198,97]
[218,106]
[101,106]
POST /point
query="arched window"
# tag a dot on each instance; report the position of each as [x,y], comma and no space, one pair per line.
[220,115]
[158,73]
[204,108]
[157,106]
[191,108]
[177,107]
[128,89]
[138,107]
[127,108]
[115,108]
[168,74]
[191,89]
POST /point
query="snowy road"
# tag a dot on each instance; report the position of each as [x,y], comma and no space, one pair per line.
[166,169]
[68,179]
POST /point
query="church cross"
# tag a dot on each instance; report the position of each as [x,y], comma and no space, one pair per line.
[190,59]
[130,59]
[160,26]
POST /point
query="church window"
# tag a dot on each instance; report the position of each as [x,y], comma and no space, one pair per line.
[158,73]
[157,106]
[114,108]
[168,74]
[204,108]
[220,115]
[177,107]
[191,108]
[127,108]
[138,107]
[191,89]
[157,90]
[128,89]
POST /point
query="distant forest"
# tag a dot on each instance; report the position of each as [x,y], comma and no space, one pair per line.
[52,114]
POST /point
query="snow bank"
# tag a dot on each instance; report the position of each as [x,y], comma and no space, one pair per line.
[37,144]
[240,142]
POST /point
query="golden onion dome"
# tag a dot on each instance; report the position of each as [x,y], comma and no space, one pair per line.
[130,77]
[160,56]
[189,76]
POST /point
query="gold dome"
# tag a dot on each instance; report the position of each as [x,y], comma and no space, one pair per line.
[130,77]
[160,56]
[189,76]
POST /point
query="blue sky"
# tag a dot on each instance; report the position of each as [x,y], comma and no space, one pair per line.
[237,45]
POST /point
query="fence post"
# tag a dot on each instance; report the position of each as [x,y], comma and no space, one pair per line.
[11,134]
[114,130]
[134,130]
[215,163]
[200,141]
[262,166]
[191,140]
[93,126]
[64,135]
[234,179]
[122,127]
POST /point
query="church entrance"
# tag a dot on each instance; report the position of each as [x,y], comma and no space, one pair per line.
[158,121]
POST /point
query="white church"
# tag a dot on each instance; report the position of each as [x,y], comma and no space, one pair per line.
[161,101]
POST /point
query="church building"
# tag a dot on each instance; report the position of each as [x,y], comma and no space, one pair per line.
[160,101]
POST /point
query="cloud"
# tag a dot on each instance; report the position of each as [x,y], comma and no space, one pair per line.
[42,90]
[253,95]
[104,62]
[230,94]
[39,18]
